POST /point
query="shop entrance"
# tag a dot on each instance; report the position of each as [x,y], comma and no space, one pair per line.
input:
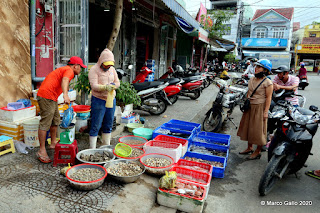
[144,44]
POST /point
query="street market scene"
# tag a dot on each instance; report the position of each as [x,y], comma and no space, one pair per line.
[159,106]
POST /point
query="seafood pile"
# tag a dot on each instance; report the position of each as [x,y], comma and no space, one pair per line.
[205,141]
[136,153]
[189,177]
[197,168]
[168,132]
[157,162]
[213,163]
[125,169]
[96,157]
[207,151]
[133,141]
[87,174]
[187,189]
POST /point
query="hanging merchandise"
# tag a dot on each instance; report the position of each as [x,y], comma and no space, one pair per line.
[67,117]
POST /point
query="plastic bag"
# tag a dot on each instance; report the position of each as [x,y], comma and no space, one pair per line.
[26,102]
[67,117]
[21,147]
[168,181]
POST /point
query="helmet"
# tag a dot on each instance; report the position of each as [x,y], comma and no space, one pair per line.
[248,62]
[282,68]
[254,60]
[265,63]
[302,64]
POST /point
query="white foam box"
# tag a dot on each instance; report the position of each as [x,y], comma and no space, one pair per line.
[14,129]
[158,147]
[72,95]
[17,115]
[180,202]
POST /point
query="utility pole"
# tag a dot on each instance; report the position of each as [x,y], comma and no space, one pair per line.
[240,28]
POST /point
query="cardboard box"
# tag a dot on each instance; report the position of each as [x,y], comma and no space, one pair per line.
[17,115]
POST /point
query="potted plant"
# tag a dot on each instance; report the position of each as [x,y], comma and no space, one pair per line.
[82,85]
[126,94]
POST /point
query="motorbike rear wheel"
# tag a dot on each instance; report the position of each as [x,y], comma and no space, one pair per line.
[173,98]
[212,122]
[269,178]
[161,108]
[196,94]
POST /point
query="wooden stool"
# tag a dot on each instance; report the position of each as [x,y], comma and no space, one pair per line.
[65,149]
[5,140]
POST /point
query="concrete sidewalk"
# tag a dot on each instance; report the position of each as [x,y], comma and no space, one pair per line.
[26,185]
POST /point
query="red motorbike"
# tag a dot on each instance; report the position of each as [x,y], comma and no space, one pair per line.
[191,86]
[141,77]
[171,90]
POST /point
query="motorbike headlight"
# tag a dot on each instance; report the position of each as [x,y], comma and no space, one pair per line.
[278,113]
[298,117]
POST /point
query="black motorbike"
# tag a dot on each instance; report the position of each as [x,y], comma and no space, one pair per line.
[226,100]
[291,144]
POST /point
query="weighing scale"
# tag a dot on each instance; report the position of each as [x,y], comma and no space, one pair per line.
[66,137]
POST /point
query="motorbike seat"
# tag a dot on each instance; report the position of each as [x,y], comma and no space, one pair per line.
[171,81]
[304,111]
[189,79]
[146,85]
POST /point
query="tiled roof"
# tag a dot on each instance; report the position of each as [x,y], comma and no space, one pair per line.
[286,12]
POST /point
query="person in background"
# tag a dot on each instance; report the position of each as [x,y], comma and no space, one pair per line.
[225,75]
[250,69]
[103,79]
[253,124]
[288,82]
[224,64]
[54,84]
[302,70]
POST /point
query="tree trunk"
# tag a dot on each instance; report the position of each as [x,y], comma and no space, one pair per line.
[116,25]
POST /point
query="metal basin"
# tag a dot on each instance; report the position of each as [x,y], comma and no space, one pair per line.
[93,151]
[125,179]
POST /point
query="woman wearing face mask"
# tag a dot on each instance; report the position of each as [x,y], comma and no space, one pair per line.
[253,124]
[103,79]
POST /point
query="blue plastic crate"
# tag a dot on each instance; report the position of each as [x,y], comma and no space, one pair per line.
[179,127]
[156,133]
[210,146]
[185,123]
[217,172]
[212,138]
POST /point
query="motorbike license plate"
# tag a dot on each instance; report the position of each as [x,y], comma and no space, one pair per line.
[304,80]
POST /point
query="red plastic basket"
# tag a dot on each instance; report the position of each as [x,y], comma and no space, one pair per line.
[81,108]
[206,167]
[130,158]
[205,177]
[162,144]
[166,138]
[182,181]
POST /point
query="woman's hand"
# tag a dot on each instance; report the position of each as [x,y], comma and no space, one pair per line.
[265,115]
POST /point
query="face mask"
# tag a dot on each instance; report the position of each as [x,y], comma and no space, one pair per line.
[259,75]
[104,69]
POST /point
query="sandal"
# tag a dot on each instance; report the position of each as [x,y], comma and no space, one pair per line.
[311,174]
[43,159]
[246,152]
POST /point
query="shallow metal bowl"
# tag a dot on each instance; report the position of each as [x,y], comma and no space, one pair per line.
[125,179]
[93,151]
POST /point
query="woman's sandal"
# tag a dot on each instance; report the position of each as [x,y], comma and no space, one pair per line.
[253,158]
[246,152]
[43,159]
[311,174]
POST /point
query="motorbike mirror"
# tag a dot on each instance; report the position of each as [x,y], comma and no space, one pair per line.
[313,108]
[130,67]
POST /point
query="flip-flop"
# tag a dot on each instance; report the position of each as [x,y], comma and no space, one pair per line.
[311,174]
[43,159]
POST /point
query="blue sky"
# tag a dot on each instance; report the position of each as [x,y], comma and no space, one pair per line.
[305,11]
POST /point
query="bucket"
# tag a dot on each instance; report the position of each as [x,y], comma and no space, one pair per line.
[30,129]
[81,123]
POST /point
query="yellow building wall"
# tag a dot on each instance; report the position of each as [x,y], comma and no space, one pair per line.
[15,68]
[315,29]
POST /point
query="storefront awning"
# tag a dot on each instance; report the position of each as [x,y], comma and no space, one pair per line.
[255,53]
[218,49]
[181,12]
[185,26]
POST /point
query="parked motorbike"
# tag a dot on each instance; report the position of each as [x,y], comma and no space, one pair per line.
[303,82]
[226,100]
[141,77]
[292,143]
[153,98]
[173,89]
